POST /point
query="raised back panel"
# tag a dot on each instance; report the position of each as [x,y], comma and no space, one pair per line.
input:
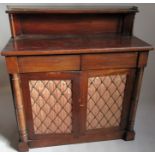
[62,24]
[56,20]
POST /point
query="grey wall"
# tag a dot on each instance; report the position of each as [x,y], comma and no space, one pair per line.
[4,37]
[144,28]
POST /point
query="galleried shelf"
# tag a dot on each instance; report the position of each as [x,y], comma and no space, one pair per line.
[75,73]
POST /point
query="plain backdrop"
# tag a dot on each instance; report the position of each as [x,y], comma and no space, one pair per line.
[144,28]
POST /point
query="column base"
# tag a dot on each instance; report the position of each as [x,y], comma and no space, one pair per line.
[23,147]
[129,135]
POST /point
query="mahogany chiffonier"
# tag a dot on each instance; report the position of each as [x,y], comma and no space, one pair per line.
[75,73]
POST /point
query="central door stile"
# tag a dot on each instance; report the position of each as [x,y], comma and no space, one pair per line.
[83,101]
[75,105]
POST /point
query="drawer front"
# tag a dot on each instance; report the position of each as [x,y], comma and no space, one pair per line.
[48,63]
[103,61]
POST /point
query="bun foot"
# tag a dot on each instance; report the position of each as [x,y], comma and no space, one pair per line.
[129,135]
[23,147]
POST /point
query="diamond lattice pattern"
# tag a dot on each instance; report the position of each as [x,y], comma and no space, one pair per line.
[51,106]
[104,103]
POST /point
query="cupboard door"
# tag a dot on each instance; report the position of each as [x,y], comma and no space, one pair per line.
[106,100]
[51,103]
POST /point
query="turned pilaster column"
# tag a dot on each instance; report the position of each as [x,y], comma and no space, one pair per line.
[20,112]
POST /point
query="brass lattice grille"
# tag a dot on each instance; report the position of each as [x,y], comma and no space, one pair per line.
[51,106]
[104,102]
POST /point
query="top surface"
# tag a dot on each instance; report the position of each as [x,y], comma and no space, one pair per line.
[73,44]
[76,8]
